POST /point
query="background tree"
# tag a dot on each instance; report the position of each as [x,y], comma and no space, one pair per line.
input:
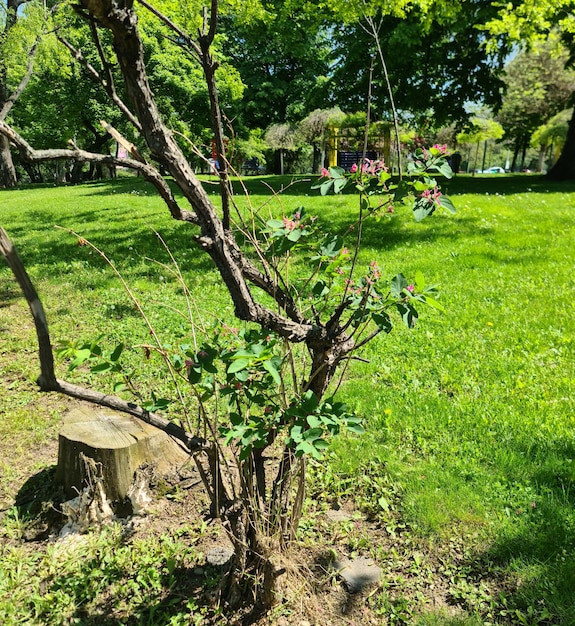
[314,130]
[282,138]
[282,58]
[537,87]
[527,22]
[435,58]
[19,38]
[483,129]
[549,138]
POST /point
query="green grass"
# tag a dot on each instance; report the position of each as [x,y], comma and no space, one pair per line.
[470,443]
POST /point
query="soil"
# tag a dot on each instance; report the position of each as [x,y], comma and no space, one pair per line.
[315,594]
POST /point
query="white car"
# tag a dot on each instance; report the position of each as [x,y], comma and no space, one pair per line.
[494,170]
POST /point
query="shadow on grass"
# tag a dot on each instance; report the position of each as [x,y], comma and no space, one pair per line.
[535,551]
[127,244]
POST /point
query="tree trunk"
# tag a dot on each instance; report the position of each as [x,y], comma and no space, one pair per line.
[564,169]
[7,170]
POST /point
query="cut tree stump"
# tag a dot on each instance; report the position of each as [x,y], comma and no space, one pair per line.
[120,443]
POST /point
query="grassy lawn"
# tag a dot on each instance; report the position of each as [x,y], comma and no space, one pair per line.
[465,476]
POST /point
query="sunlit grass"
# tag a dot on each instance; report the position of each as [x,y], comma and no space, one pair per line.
[470,416]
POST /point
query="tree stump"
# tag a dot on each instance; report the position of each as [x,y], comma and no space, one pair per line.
[120,443]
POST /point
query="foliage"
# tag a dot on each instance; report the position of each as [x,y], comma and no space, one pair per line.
[443,64]
[537,87]
[554,131]
[482,129]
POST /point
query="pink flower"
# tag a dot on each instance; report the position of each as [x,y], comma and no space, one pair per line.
[442,148]
[432,195]
[325,173]
[289,224]
[410,288]
[353,168]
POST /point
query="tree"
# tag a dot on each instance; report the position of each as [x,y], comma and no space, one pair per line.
[550,137]
[282,58]
[18,46]
[527,22]
[314,128]
[482,130]
[442,66]
[537,87]
[281,137]
[274,412]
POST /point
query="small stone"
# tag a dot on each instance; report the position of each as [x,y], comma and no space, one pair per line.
[358,573]
[337,516]
[219,555]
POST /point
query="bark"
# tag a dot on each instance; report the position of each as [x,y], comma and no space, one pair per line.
[564,168]
[7,170]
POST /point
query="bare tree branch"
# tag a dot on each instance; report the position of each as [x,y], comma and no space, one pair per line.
[148,172]
[107,85]
[47,380]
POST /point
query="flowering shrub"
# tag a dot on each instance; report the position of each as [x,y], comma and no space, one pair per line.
[418,191]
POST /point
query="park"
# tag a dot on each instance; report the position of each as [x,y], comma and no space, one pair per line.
[283,364]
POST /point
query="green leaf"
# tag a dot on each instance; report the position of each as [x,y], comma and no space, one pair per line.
[320,289]
[339,185]
[238,365]
[295,234]
[117,352]
[275,224]
[447,204]
[325,187]
[398,284]
[195,375]
[81,357]
[358,429]
[270,368]
[331,246]
[408,313]
[382,321]
[422,208]
[434,303]
[105,366]
[320,444]
[419,280]
[312,434]
[445,170]
[309,402]
[313,421]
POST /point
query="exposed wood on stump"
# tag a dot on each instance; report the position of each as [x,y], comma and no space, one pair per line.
[119,442]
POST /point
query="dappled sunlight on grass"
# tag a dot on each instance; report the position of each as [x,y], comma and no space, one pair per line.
[469,416]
